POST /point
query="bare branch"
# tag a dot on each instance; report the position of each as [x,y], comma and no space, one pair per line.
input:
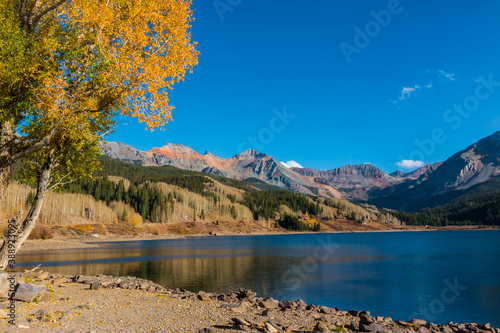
[44,12]
[60,182]
[34,269]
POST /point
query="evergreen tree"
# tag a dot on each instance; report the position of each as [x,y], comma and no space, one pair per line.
[123,217]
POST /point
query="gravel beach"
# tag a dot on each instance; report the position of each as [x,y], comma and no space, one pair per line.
[129,304]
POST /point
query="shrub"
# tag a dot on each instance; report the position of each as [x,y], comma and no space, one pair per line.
[41,232]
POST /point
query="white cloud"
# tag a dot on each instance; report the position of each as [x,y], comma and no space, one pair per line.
[449,76]
[410,164]
[407,91]
[291,164]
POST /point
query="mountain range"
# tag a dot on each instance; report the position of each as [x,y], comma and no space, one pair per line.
[427,186]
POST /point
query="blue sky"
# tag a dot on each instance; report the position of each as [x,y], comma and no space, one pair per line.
[327,83]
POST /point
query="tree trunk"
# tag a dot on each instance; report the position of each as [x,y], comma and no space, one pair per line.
[22,231]
[6,165]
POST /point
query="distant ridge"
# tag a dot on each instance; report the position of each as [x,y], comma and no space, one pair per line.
[249,164]
[474,165]
[477,164]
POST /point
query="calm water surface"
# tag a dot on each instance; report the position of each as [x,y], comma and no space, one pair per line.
[438,276]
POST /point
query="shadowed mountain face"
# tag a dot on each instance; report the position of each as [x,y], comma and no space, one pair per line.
[248,164]
[355,180]
[477,164]
[408,191]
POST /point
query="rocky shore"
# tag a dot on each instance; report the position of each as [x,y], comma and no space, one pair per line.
[56,303]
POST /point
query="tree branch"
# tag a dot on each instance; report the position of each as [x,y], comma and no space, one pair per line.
[34,147]
[44,12]
[60,182]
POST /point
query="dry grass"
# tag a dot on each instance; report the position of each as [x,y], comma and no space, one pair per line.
[58,208]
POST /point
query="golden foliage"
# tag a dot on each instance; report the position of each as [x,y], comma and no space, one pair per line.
[182,209]
[131,217]
[127,52]
[59,209]
[68,67]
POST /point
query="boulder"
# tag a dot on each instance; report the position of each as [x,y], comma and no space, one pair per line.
[239,327]
[43,275]
[371,328]
[239,309]
[269,304]
[241,321]
[301,303]
[356,313]
[95,285]
[224,298]
[203,297]
[3,314]
[286,305]
[321,328]
[324,309]
[366,319]
[270,328]
[432,327]
[107,284]
[266,313]
[256,322]
[446,329]
[420,322]
[423,329]
[27,292]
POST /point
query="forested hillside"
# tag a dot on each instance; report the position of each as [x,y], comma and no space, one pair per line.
[163,196]
[478,209]
[168,194]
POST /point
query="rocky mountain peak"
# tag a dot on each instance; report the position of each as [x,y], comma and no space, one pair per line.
[250,153]
[397,173]
[173,146]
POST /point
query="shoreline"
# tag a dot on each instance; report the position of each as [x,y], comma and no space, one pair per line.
[107,303]
[92,242]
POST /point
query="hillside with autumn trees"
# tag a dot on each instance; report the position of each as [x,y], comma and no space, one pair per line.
[130,199]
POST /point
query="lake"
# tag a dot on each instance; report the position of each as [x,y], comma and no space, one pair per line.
[438,276]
